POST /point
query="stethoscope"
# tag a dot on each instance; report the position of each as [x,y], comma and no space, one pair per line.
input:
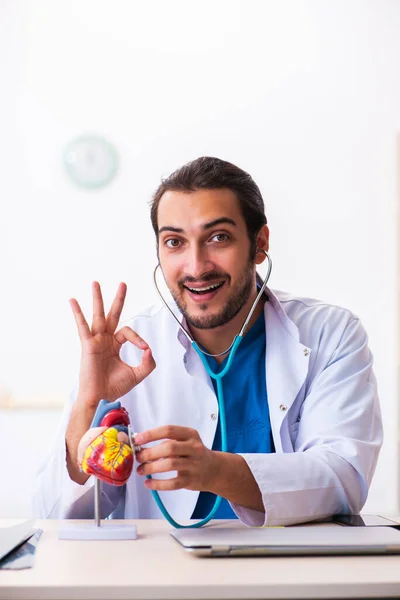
[220,393]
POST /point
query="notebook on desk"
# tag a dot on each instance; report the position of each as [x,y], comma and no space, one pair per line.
[14,536]
[304,540]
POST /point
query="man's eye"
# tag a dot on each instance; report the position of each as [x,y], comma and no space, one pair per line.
[172,243]
[220,237]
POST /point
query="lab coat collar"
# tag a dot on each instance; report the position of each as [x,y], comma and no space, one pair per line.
[181,336]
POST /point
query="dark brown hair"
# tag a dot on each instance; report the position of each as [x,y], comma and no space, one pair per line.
[208,173]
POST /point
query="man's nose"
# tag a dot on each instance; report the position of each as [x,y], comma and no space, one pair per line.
[198,263]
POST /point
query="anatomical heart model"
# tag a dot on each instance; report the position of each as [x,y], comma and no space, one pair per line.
[106,449]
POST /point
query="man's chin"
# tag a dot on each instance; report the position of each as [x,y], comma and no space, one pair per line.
[200,315]
[206,320]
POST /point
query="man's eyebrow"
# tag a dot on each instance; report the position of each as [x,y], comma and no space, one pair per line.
[170,228]
[219,221]
[206,226]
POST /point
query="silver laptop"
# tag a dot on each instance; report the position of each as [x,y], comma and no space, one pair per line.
[288,541]
[14,536]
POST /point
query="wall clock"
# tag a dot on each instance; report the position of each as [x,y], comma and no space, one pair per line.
[91,161]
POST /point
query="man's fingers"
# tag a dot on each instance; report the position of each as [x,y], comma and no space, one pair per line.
[83,328]
[176,483]
[172,432]
[148,364]
[115,311]
[99,320]
[163,466]
[126,334]
[165,449]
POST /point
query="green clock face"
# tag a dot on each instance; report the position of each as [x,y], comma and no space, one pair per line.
[91,161]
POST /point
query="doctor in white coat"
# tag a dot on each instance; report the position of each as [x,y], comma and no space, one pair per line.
[319,391]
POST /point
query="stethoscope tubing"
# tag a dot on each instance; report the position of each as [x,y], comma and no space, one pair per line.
[220,392]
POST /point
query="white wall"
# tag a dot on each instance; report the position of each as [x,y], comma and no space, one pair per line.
[305,95]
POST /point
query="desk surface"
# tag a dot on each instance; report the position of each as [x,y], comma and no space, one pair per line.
[155,567]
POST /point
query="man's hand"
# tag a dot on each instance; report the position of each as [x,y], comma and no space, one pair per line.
[198,468]
[103,375]
[181,450]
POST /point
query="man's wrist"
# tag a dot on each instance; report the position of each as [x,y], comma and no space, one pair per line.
[232,479]
[86,403]
[221,468]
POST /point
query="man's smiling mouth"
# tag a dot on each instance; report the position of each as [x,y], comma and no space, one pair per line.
[204,289]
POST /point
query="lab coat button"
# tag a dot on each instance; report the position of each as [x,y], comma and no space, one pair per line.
[306,352]
[213,416]
[185,359]
[283,407]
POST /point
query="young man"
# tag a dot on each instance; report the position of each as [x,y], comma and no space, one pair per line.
[303,419]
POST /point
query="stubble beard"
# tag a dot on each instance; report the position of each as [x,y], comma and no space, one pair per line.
[235,302]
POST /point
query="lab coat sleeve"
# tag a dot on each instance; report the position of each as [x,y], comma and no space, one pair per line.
[56,496]
[336,448]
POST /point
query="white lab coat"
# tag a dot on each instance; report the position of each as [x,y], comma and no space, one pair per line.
[323,406]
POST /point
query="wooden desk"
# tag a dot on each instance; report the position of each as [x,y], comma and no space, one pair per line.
[155,567]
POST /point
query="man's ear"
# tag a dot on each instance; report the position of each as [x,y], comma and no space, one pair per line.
[262,244]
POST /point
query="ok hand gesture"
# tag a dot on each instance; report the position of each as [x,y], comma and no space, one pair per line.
[103,375]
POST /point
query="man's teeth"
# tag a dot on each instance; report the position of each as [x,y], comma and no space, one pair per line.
[205,289]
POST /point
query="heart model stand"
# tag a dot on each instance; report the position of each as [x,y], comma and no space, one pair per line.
[111,418]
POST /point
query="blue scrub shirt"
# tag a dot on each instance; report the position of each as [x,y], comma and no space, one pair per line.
[246,407]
